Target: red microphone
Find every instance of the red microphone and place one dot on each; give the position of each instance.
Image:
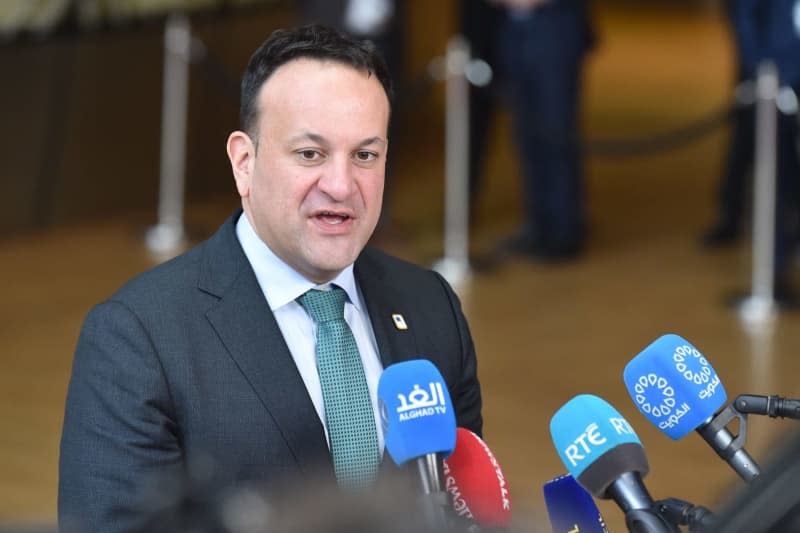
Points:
(476, 484)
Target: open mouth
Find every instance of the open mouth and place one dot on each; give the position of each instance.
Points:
(330, 217)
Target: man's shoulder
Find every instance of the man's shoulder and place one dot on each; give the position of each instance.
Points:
(209, 259)
(377, 262)
(164, 277)
(378, 270)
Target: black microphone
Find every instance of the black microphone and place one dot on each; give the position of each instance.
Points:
(604, 454)
(772, 406)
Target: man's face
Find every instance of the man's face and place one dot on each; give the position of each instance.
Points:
(312, 182)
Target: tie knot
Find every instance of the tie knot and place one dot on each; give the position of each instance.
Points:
(324, 306)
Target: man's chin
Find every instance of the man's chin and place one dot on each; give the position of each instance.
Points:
(331, 254)
(327, 266)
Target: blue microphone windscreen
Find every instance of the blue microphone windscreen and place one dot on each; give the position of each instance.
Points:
(586, 428)
(416, 411)
(571, 508)
(674, 386)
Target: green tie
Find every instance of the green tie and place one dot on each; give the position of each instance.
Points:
(348, 409)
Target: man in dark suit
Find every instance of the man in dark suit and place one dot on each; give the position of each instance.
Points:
(541, 48)
(765, 30)
(209, 359)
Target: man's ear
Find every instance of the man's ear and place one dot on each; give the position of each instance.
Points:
(242, 154)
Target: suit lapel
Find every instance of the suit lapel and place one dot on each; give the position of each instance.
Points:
(384, 300)
(247, 328)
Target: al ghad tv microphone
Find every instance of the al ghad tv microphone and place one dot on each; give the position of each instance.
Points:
(419, 425)
(677, 390)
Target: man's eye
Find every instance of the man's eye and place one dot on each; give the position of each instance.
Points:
(309, 155)
(365, 156)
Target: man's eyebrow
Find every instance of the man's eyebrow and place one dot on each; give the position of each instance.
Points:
(372, 140)
(319, 139)
(308, 136)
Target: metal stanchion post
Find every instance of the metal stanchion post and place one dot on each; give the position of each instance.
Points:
(455, 264)
(168, 235)
(760, 306)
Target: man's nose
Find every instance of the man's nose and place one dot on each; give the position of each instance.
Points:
(337, 179)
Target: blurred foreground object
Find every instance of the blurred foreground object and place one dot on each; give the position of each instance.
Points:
(771, 504)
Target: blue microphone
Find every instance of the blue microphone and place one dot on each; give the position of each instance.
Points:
(416, 411)
(603, 453)
(571, 508)
(419, 423)
(677, 390)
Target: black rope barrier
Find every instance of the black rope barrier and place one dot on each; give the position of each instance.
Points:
(660, 142)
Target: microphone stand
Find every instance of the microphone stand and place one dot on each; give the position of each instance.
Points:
(434, 500)
(730, 448)
(682, 513)
(632, 497)
(772, 406)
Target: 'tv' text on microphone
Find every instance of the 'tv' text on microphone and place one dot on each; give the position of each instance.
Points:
(675, 387)
(602, 451)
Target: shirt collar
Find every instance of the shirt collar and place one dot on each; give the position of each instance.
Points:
(280, 283)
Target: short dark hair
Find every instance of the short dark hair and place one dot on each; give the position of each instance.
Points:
(313, 41)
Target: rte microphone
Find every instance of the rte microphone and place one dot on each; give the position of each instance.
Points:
(476, 484)
(419, 424)
(675, 387)
(601, 450)
(571, 508)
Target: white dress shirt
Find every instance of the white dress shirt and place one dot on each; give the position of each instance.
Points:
(282, 285)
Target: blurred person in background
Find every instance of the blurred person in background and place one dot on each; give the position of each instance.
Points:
(480, 22)
(208, 364)
(727, 227)
(541, 49)
(765, 30)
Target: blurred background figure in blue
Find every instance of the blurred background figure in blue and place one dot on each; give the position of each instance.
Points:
(727, 228)
(540, 54)
(480, 22)
(764, 30)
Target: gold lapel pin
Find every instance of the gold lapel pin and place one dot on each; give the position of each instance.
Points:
(399, 321)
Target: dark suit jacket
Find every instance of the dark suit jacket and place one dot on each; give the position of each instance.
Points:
(186, 365)
(768, 29)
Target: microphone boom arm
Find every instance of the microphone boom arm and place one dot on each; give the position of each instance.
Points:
(730, 448)
(772, 406)
(682, 513)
